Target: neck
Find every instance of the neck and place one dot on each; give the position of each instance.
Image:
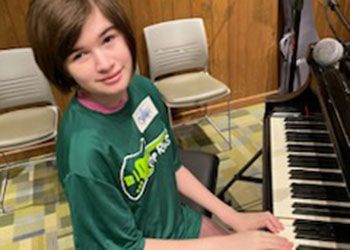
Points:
(105, 106)
(107, 101)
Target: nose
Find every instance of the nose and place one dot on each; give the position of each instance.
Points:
(103, 62)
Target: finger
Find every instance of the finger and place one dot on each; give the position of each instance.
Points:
(272, 241)
(283, 243)
(267, 221)
(271, 227)
(276, 222)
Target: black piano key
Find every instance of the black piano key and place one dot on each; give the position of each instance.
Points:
(313, 161)
(316, 176)
(323, 213)
(314, 118)
(310, 148)
(315, 126)
(321, 210)
(343, 209)
(304, 247)
(323, 231)
(307, 137)
(319, 192)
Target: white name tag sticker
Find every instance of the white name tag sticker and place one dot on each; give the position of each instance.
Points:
(144, 114)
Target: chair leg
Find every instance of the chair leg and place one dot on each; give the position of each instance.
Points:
(227, 140)
(4, 182)
(206, 116)
(229, 124)
(170, 117)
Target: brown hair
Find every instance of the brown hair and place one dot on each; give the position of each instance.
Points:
(54, 26)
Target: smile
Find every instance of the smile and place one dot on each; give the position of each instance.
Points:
(112, 79)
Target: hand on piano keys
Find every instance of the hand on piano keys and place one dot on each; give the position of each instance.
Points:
(256, 240)
(253, 221)
(248, 230)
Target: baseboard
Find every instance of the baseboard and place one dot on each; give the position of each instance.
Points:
(26, 153)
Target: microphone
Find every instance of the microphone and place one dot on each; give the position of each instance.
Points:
(328, 51)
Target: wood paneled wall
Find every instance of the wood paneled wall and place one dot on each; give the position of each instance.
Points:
(320, 19)
(242, 37)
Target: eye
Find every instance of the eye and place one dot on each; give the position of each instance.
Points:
(108, 39)
(77, 56)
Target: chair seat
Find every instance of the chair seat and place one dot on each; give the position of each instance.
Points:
(22, 128)
(191, 89)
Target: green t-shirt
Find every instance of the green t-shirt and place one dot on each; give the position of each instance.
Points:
(118, 173)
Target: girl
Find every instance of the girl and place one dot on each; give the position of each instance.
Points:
(116, 153)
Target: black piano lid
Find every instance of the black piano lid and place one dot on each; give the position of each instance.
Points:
(333, 91)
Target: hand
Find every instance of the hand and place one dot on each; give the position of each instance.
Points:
(258, 240)
(252, 221)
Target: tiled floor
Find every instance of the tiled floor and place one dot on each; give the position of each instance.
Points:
(37, 214)
(246, 129)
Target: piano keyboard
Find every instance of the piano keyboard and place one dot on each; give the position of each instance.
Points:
(316, 235)
(309, 193)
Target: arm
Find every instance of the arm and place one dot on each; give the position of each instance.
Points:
(190, 187)
(253, 240)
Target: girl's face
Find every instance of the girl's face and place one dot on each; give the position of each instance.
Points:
(101, 62)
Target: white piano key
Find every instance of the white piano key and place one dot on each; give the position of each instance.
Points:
(310, 154)
(306, 122)
(316, 170)
(309, 143)
(309, 131)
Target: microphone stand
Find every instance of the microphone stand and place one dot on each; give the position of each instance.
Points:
(334, 6)
(298, 6)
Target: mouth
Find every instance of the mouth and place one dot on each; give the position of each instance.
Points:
(112, 78)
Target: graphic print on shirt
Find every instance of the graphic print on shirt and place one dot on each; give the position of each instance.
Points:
(137, 168)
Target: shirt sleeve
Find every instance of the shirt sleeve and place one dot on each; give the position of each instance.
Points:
(176, 156)
(100, 216)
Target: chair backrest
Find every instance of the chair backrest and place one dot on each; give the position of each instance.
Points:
(21, 81)
(175, 46)
(204, 166)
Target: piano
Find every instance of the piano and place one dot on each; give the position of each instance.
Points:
(306, 160)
